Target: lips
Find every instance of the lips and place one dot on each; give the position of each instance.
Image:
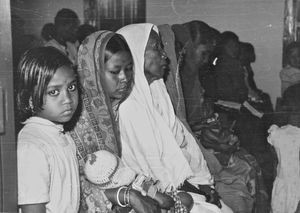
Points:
(123, 87)
(68, 112)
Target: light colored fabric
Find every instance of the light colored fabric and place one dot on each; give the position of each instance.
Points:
(148, 144)
(286, 194)
(95, 129)
(184, 138)
(69, 50)
(47, 167)
(289, 76)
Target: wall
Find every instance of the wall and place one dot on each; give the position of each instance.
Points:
(257, 21)
(38, 12)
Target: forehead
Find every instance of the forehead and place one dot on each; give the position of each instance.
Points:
(119, 57)
(63, 75)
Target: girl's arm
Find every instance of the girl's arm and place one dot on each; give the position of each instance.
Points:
(34, 208)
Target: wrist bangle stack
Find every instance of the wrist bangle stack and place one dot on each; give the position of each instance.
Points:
(126, 196)
(118, 193)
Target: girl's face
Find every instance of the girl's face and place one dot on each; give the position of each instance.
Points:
(294, 59)
(117, 74)
(61, 96)
(156, 62)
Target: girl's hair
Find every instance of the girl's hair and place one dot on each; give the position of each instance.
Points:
(115, 44)
(36, 68)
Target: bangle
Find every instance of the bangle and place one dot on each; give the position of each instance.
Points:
(118, 193)
(126, 197)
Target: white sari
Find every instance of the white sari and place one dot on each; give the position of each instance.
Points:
(153, 138)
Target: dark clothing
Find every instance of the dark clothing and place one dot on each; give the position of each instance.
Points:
(230, 80)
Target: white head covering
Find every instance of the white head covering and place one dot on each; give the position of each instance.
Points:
(149, 145)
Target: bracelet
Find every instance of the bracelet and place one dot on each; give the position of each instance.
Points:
(127, 197)
(118, 193)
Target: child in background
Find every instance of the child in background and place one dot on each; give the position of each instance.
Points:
(47, 98)
(48, 32)
(290, 74)
(286, 141)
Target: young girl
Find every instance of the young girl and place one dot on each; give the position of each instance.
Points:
(285, 139)
(47, 98)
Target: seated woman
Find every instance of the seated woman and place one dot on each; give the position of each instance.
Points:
(241, 166)
(148, 141)
(229, 72)
(261, 99)
(251, 130)
(105, 71)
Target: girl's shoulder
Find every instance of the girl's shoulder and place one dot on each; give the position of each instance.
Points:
(37, 133)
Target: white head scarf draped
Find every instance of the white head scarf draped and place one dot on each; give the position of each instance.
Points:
(149, 144)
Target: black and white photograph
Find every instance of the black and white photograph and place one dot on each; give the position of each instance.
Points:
(150, 106)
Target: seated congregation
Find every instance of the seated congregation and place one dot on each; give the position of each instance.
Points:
(135, 124)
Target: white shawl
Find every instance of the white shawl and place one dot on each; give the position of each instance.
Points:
(148, 143)
(184, 138)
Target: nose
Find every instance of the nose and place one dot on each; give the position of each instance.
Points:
(67, 97)
(122, 75)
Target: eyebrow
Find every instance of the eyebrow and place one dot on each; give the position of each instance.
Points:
(59, 85)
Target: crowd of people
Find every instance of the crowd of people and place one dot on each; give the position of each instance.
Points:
(127, 121)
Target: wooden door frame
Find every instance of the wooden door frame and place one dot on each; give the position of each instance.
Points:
(8, 156)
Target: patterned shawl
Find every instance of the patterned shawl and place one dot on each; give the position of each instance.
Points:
(95, 129)
(96, 106)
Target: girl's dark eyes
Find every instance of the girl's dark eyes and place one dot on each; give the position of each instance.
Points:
(73, 87)
(53, 92)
